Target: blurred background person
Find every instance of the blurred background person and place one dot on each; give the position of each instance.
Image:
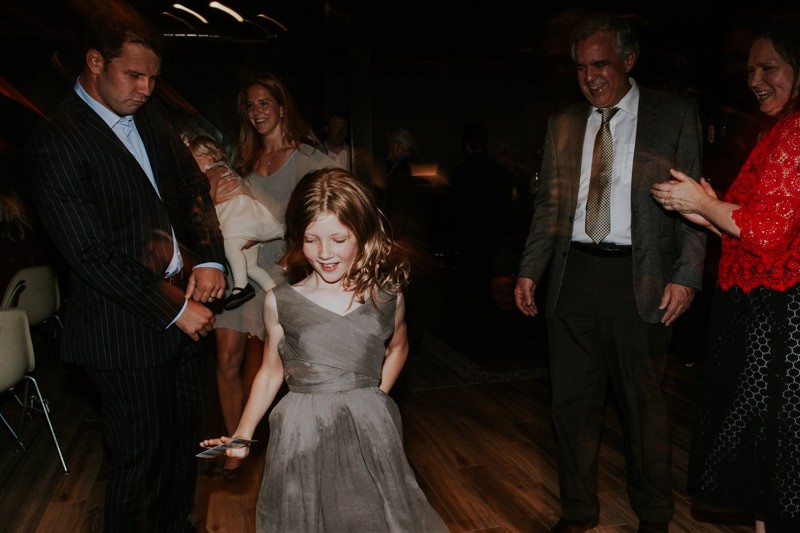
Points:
(336, 140)
(22, 241)
(404, 195)
(480, 197)
(405, 202)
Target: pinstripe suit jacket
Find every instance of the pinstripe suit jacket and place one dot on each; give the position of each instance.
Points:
(666, 249)
(115, 233)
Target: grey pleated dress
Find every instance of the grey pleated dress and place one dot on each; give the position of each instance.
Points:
(335, 460)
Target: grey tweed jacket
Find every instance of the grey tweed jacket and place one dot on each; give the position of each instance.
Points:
(666, 249)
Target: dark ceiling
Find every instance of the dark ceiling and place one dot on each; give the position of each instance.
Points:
(398, 36)
(411, 34)
(354, 42)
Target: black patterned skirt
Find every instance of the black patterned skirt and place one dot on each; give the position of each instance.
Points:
(746, 446)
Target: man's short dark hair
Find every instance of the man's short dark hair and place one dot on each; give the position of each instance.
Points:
(108, 32)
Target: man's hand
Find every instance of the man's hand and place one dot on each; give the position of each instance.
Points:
(523, 297)
(205, 284)
(197, 320)
(676, 300)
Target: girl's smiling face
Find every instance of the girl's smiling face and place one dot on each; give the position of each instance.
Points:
(330, 247)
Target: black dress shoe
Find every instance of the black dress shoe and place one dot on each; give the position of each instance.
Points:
(565, 525)
(653, 527)
(239, 296)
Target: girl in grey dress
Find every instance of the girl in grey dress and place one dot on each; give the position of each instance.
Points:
(335, 459)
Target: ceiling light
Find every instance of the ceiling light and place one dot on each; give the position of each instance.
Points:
(226, 9)
(195, 13)
(281, 26)
(179, 19)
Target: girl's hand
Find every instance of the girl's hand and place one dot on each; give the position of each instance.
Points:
(239, 451)
(210, 443)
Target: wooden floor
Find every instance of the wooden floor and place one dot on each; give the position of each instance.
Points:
(476, 429)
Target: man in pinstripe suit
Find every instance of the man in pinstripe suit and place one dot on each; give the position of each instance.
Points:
(131, 213)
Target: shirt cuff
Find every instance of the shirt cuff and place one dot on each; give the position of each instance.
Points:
(218, 266)
(185, 303)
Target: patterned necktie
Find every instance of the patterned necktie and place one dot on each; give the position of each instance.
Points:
(598, 204)
(127, 124)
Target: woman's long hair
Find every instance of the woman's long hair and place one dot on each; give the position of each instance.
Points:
(295, 129)
(379, 264)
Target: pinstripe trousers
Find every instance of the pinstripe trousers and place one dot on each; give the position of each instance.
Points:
(152, 419)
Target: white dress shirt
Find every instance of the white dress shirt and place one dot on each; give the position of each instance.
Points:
(623, 132)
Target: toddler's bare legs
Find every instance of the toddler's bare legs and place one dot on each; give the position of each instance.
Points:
(255, 272)
(236, 261)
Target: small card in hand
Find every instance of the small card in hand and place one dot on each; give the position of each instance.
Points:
(220, 450)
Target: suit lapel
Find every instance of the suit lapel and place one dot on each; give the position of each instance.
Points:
(646, 131)
(91, 125)
(153, 148)
(575, 135)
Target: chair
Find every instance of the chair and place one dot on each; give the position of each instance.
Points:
(34, 289)
(17, 361)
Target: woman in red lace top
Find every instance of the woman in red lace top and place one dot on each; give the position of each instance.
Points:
(746, 445)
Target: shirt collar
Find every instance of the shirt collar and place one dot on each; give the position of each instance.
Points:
(107, 116)
(630, 102)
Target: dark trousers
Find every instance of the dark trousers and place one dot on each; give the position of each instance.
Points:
(152, 418)
(597, 340)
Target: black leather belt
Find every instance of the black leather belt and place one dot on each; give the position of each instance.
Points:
(175, 279)
(602, 249)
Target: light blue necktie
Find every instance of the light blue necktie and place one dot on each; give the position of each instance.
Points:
(127, 125)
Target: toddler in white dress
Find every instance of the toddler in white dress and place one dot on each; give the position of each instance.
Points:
(244, 221)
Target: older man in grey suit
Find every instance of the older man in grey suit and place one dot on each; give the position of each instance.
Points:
(621, 270)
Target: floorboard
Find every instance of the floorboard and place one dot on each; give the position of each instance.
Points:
(477, 433)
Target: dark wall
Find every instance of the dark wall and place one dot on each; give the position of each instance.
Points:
(428, 66)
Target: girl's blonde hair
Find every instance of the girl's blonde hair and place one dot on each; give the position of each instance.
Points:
(379, 263)
(205, 145)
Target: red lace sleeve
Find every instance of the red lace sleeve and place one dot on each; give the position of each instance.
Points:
(768, 193)
(770, 219)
